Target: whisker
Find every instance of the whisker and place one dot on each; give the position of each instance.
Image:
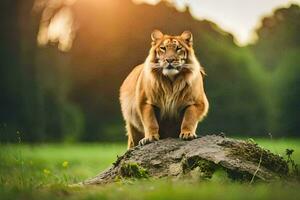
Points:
(187, 66)
(155, 65)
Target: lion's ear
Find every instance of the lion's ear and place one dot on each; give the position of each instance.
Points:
(156, 35)
(187, 36)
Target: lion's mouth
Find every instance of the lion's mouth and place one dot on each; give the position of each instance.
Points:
(170, 71)
(170, 67)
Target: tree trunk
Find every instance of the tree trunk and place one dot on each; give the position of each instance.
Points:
(241, 160)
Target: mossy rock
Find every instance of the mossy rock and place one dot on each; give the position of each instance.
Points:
(175, 158)
(133, 170)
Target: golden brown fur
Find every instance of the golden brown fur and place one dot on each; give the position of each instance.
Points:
(164, 96)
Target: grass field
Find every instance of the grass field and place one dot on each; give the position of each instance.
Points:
(44, 172)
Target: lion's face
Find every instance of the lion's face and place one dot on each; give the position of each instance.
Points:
(171, 56)
(171, 53)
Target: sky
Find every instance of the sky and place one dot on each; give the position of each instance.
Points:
(239, 17)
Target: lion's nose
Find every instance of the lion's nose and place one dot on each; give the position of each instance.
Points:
(170, 67)
(170, 60)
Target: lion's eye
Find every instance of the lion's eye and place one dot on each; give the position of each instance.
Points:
(178, 48)
(162, 48)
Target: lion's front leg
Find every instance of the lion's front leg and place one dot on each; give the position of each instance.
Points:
(150, 124)
(192, 115)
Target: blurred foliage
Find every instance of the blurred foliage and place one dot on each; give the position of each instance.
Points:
(278, 50)
(48, 95)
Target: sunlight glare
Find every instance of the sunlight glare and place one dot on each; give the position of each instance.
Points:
(240, 18)
(57, 27)
(61, 29)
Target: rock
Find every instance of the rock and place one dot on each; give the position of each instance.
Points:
(242, 160)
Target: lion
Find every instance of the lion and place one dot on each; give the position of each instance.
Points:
(164, 97)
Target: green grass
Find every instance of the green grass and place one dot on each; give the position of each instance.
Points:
(45, 171)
